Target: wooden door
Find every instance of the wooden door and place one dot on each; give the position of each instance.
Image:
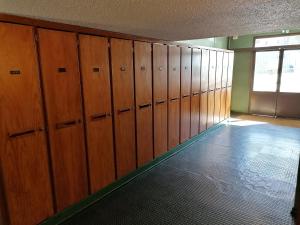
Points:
(212, 70)
(123, 97)
(219, 70)
(195, 114)
(24, 170)
(94, 59)
(143, 97)
(210, 108)
(61, 80)
(174, 72)
(225, 69)
(217, 106)
(230, 69)
(223, 104)
(228, 102)
(185, 118)
(160, 95)
(203, 112)
(204, 70)
(173, 122)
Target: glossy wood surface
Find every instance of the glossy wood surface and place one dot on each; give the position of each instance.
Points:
(230, 69)
(219, 69)
(195, 114)
(223, 104)
(204, 70)
(196, 70)
(212, 70)
(186, 71)
(210, 108)
(173, 123)
(203, 112)
(185, 118)
(174, 72)
(228, 102)
(225, 69)
(217, 106)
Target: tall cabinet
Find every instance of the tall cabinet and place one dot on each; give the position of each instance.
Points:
(204, 90)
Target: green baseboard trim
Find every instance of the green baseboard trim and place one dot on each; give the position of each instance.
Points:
(92, 199)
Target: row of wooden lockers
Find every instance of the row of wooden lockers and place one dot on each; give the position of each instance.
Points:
(79, 111)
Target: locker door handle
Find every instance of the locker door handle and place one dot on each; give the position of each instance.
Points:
(15, 72)
(124, 110)
(123, 68)
(66, 124)
(99, 116)
(202, 92)
(185, 67)
(160, 68)
(61, 69)
(195, 93)
(143, 68)
(21, 133)
(96, 69)
(185, 96)
(145, 105)
(174, 99)
(160, 102)
(174, 68)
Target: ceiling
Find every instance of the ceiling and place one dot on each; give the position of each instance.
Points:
(166, 19)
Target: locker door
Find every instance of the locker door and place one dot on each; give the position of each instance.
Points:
(61, 80)
(230, 69)
(219, 70)
(203, 112)
(143, 96)
(228, 102)
(94, 61)
(160, 95)
(173, 96)
(24, 171)
(217, 106)
(123, 96)
(185, 106)
(173, 122)
(174, 72)
(210, 108)
(195, 99)
(225, 70)
(223, 104)
(204, 70)
(212, 70)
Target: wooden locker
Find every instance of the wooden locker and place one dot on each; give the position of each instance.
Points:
(185, 118)
(219, 70)
(212, 70)
(94, 59)
(25, 191)
(123, 97)
(223, 104)
(174, 72)
(230, 69)
(210, 108)
(173, 96)
(61, 80)
(143, 97)
(204, 70)
(173, 122)
(160, 95)
(195, 114)
(195, 99)
(228, 102)
(225, 70)
(217, 106)
(203, 112)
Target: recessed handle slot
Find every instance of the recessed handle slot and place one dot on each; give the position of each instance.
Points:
(99, 116)
(15, 72)
(124, 110)
(67, 124)
(185, 96)
(174, 99)
(160, 102)
(21, 133)
(145, 105)
(62, 70)
(185, 67)
(123, 68)
(96, 69)
(143, 68)
(195, 93)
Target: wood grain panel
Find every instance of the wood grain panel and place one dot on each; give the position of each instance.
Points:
(185, 118)
(212, 70)
(94, 61)
(228, 102)
(24, 173)
(210, 108)
(173, 122)
(143, 97)
(217, 106)
(186, 71)
(123, 96)
(223, 104)
(219, 69)
(160, 95)
(61, 80)
(196, 70)
(230, 69)
(203, 112)
(225, 69)
(204, 70)
(195, 114)
(174, 72)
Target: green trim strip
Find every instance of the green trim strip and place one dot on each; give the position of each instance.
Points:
(92, 199)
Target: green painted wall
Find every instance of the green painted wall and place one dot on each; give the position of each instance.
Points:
(242, 70)
(215, 42)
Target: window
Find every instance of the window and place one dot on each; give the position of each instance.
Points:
(277, 41)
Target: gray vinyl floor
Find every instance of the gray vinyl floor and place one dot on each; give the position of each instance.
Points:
(242, 173)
